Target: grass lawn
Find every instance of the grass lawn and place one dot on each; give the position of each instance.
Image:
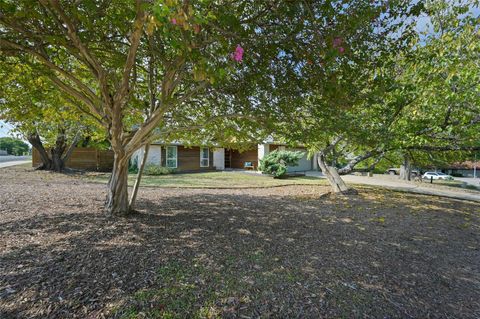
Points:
(214, 180)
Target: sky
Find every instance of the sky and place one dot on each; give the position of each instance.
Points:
(4, 129)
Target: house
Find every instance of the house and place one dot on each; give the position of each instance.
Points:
(463, 169)
(198, 158)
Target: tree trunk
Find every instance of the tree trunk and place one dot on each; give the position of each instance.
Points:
(337, 183)
(57, 161)
(117, 198)
(47, 163)
(406, 169)
(133, 197)
(72, 147)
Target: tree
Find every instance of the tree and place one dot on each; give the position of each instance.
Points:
(361, 108)
(329, 83)
(41, 114)
(438, 88)
(98, 53)
(13, 146)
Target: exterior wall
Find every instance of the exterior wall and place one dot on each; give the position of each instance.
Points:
(87, 158)
(304, 164)
(239, 158)
(463, 172)
(263, 150)
(219, 158)
(273, 147)
(154, 156)
(189, 159)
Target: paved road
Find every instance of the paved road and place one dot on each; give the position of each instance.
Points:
(391, 182)
(11, 158)
(17, 161)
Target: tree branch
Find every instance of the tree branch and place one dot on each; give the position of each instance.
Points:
(123, 89)
(72, 34)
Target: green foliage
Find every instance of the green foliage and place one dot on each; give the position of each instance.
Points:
(13, 146)
(32, 104)
(276, 163)
(153, 169)
(133, 165)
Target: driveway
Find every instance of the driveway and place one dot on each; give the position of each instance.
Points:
(469, 180)
(392, 182)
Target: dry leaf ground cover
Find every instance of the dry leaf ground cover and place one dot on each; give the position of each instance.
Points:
(283, 252)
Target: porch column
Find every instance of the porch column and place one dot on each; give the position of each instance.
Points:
(219, 158)
(263, 150)
(315, 162)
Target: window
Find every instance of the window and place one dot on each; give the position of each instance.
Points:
(171, 156)
(204, 157)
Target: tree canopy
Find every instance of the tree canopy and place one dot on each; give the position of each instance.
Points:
(348, 79)
(14, 146)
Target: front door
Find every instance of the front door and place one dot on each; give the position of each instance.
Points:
(228, 158)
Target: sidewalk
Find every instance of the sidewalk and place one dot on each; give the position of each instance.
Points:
(392, 183)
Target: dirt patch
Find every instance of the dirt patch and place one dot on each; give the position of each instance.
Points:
(278, 252)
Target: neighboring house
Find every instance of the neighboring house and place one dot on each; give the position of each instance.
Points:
(197, 158)
(464, 169)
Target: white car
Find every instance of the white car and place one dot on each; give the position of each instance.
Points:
(436, 175)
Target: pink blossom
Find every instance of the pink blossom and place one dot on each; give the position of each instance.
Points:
(341, 49)
(337, 42)
(238, 54)
(174, 21)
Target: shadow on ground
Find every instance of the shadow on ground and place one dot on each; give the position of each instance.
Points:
(213, 253)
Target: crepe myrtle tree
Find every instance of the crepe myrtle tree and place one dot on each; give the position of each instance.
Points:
(99, 53)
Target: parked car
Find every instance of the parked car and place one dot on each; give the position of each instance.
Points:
(436, 175)
(396, 171)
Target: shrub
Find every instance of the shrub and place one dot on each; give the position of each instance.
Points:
(154, 169)
(132, 166)
(276, 162)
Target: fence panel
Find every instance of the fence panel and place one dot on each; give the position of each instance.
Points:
(86, 158)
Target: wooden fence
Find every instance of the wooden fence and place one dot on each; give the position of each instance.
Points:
(87, 158)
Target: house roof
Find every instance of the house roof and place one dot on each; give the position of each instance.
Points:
(464, 165)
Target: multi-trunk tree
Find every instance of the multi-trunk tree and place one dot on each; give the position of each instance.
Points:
(120, 58)
(41, 114)
(375, 92)
(330, 81)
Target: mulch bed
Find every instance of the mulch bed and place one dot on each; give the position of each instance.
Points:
(285, 252)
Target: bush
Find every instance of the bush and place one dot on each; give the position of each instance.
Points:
(132, 166)
(276, 162)
(154, 169)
